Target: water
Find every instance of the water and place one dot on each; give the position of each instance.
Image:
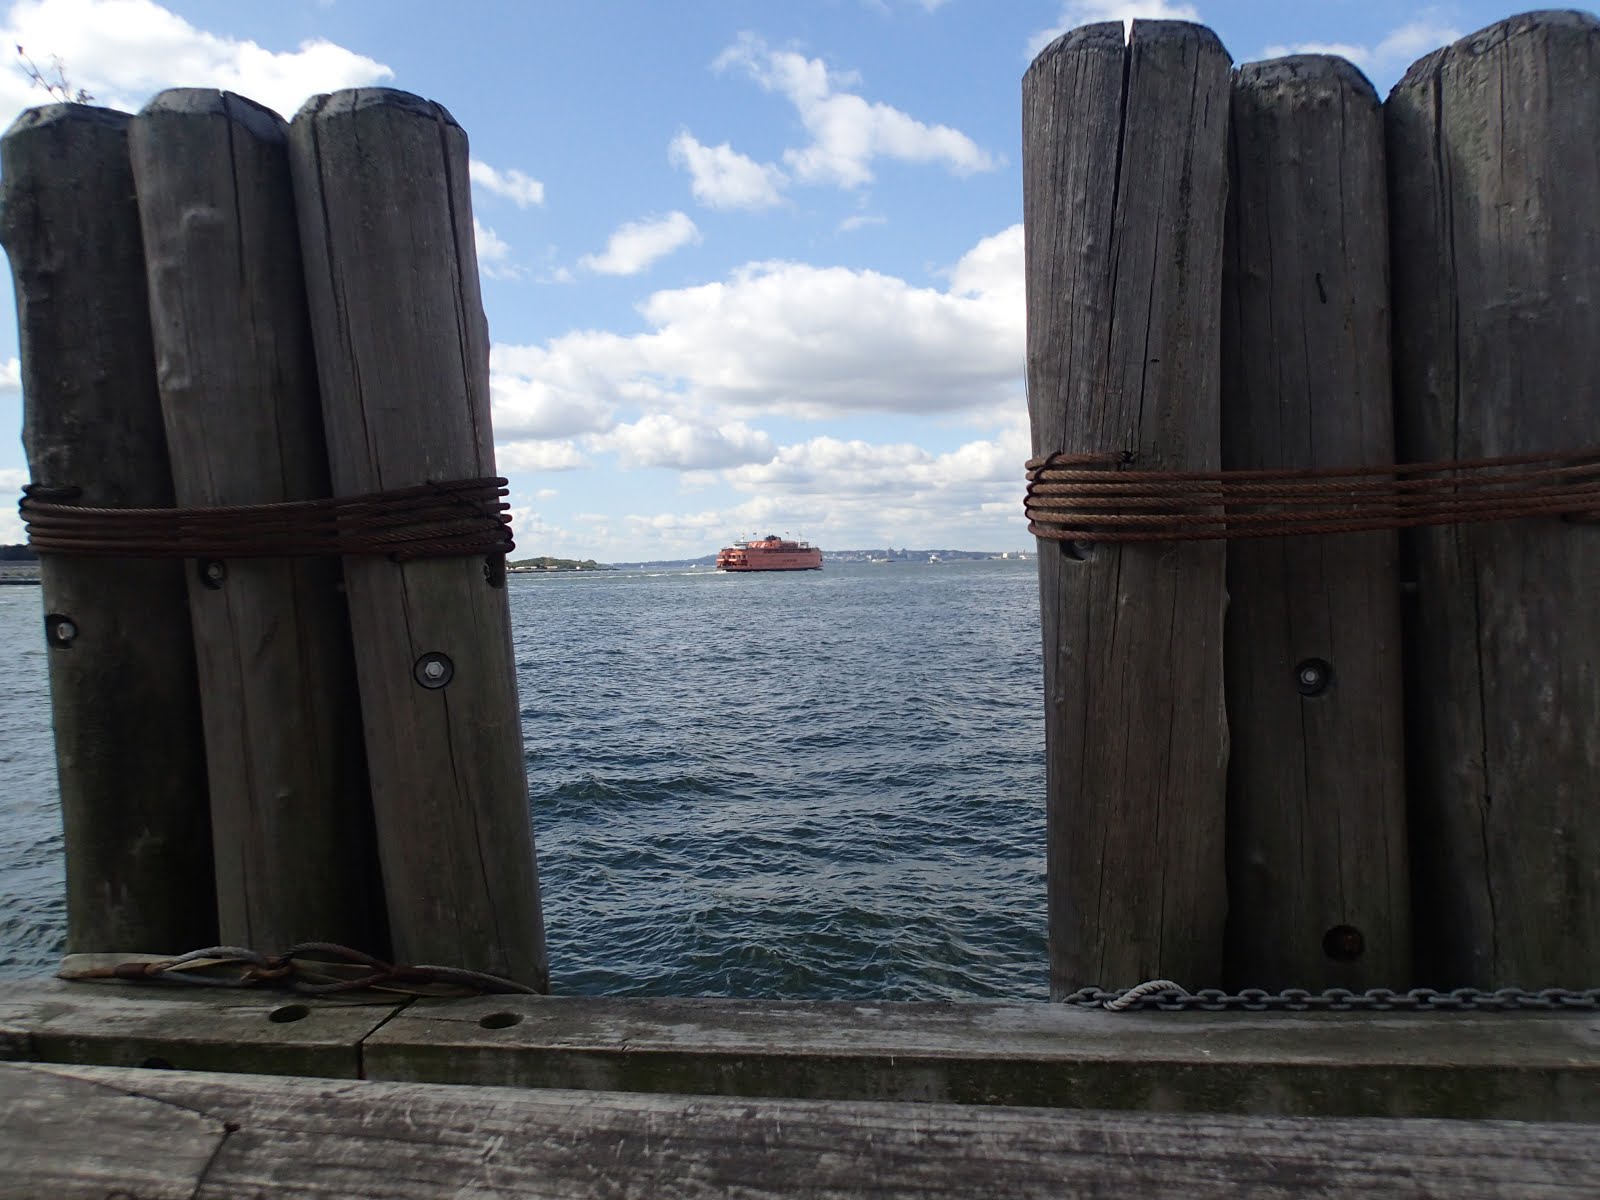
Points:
(820, 784)
(33, 910)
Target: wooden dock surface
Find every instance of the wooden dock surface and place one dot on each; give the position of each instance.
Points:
(98, 1131)
(1521, 1066)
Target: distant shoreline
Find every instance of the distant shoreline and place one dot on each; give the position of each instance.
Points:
(844, 556)
(18, 571)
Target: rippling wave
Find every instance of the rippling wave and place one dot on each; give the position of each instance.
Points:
(820, 784)
(33, 906)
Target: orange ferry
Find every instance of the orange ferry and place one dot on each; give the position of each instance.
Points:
(770, 553)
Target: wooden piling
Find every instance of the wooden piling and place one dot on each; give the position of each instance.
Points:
(1318, 882)
(1125, 180)
(123, 697)
(1496, 261)
(290, 814)
(403, 356)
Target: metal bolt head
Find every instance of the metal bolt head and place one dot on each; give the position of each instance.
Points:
(60, 631)
(1344, 943)
(1313, 676)
(213, 572)
(433, 670)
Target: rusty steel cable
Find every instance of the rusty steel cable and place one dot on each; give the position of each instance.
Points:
(432, 520)
(1096, 498)
(310, 968)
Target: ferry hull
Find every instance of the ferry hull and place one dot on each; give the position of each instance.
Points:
(766, 566)
(769, 554)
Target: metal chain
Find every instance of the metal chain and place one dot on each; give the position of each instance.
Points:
(1162, 995)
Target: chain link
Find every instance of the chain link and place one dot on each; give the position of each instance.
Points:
(1164, 996)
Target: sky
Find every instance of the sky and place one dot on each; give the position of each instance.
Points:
(748, 266)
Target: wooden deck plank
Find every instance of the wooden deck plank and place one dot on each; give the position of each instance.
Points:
(125, 1025)
(1524, 1066)
(301, 1137)
(66, 1137)
(1527, 1066)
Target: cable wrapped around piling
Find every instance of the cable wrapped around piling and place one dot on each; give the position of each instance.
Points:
(432, 520)
(1095, 498)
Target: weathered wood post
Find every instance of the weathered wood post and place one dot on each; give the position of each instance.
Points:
(385, 219)
(1125, 182)
(291, 817)
(1494, 180)
(1318, 882)
(122, 676)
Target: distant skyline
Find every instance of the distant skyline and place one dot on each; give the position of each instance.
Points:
(748, 267)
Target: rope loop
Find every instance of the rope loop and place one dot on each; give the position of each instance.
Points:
(311, 968)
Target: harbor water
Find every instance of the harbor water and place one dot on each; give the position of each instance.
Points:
(797, 785)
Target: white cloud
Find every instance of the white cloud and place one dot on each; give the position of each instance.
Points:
(494, 253)
(536, 536)
(556, 393)
(814, 342)
(798, 341)
(1400, 48)
(992, 270)
(12, 480)
(861, 221)
(830, 467)
(721, 177)
(634, 246)
(1348, 50)
(847, 132)
(546, 494)
(664, 440)
(551, 455)
(784, 338)
(851, 494)
(123, 51)
(522, 190)
(1087, 12)
(1414, 39)
(843, 494)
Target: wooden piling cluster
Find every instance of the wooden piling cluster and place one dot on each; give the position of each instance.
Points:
(1409, 796)
(1341, 760)
(219, 308)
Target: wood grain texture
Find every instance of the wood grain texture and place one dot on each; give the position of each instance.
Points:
(1496, 235)
(1465, 1065)
(68, 1137)
(291, 1137)
(385, 220)
(193, 1029)
(1316, 782)
(1125, 181)
(1523, 1066)
(291, 819)
(123, 698)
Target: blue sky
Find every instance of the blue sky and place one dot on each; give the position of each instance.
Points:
(748, 266)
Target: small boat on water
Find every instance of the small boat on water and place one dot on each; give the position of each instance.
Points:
(770, 553)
